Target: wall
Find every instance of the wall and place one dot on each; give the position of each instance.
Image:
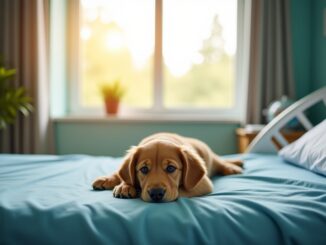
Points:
(113, 138)
(318, 45)
(301, 12)
(309, 45)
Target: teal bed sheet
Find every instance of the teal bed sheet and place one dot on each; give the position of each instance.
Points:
(49, 200)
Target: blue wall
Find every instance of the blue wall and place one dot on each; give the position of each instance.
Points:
(309, 45)
(113, 138)
(301, 23)
(318, 45)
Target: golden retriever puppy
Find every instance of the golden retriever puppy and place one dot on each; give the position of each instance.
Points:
(166, 166)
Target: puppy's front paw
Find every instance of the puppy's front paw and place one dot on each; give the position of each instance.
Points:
(105, 183)
(237, 162)
(124, 191)
(230, 168)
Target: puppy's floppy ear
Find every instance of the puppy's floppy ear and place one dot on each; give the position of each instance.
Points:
(193, 167)
(127, 169)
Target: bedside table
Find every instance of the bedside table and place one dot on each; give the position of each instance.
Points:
(245, 136)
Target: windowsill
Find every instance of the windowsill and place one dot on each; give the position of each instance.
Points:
(144, 118)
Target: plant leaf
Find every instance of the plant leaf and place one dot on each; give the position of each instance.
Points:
(12, 100)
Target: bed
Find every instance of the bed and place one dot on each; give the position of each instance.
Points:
(47, 199)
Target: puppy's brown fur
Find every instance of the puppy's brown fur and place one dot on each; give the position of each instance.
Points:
(191, 160)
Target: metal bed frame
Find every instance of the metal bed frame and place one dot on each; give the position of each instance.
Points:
(263, 142)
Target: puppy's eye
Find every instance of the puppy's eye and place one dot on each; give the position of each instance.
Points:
(144, 170)
(170, 169)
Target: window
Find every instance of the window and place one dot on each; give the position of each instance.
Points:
(172, 56)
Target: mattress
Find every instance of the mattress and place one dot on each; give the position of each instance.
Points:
(48, 199)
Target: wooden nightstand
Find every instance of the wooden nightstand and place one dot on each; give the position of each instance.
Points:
(244, 137)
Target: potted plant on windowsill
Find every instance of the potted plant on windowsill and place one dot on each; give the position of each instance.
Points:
(112, 94)
(12, 99)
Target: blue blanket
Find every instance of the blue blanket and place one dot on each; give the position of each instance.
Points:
(49, 200)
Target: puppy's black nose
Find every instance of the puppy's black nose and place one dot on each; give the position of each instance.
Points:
(156, 194)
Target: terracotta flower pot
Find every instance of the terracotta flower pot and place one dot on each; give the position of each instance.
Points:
(111, 106)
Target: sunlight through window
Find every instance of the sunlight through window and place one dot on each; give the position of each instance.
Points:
(199, 52)
(117, 42)
(199, 48)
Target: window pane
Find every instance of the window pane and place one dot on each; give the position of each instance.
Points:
(117, 42)
(199, 48)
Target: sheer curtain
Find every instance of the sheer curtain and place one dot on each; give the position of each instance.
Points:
(24, 46)
(270, 72)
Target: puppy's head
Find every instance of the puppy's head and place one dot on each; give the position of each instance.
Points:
(159, 168)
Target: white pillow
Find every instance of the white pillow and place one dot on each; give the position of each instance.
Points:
(309, 151)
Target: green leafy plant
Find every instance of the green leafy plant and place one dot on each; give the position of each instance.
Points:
(113, 91)
(12, 100)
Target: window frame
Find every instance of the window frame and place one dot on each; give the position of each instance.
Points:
(236, 113)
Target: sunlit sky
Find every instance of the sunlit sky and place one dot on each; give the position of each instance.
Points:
(186, 23)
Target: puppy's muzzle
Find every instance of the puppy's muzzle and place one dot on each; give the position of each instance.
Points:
(156, 194)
